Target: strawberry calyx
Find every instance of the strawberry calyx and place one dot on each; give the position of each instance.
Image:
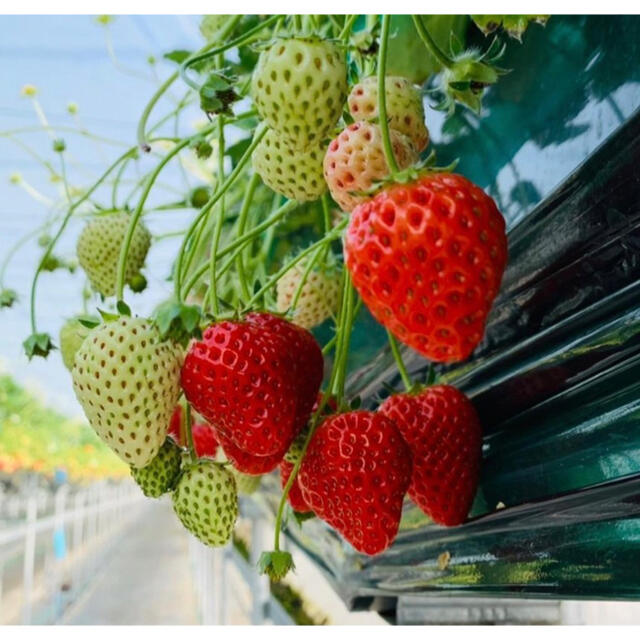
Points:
(275, 564)
(8, 297)
(179, 322)
(409, 175)
(38, 344)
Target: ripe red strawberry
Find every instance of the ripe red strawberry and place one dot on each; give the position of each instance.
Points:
(354, 476)
(204, 438)
(296, 500)
(308, 362)
(443, 431)
(247, 463)
(427, 258)
(239, 379)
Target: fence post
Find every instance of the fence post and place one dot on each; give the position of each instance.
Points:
(29, 557)
(59, 547)
(260, 589)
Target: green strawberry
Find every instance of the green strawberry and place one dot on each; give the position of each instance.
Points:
(246, 484)
(161, 474)
(206, 502)
(128, 383)
(405, 111)
(299, 88)
(296, 174)
(98, 250)
(72, 335)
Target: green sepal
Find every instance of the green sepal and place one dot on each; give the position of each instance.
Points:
(201, 147)
(179, 322)
(514, 25)
(300, 517)
(410, 174)
(90, 322)
(107, 316)
(123, 308)
(38, 344)
(275, 564)
(217, 94)
(7, 297)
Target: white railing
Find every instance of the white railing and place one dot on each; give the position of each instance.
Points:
(229, 588)
(51, 545)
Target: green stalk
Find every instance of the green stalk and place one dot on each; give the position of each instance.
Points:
(242, 223)
(303, 254)
(382, 96)
(213, 296)
(241, 242)
(192, 448)
(207, 52)
(142, 123)
(348, 26)
(430, 43)
(343, 352)
(402, 369)
(54, 240)
(258, 135)
(341, 331)
(124, 249)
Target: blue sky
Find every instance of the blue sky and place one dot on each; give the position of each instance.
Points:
(66, 58)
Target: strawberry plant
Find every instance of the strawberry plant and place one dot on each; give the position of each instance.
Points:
(317, 198)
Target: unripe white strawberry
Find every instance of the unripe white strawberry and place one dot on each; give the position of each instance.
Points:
(206, 502)
(295, 174)
(355, 160)
(319, 297)
(128, 382)
(72, 335)
(98, 250)
(405, 111)
(245, 483)
(299, 88)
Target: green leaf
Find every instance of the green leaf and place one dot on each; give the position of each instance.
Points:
(178, 56)
(237, 150)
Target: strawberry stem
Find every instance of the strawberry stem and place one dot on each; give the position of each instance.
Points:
(344, 336)
(430, 43)
(242, 224)
(213, 293)
(220, 191)
(303, 254)
(402, 369)
(124, 249)
(65, 220)
(382, 96)
(240, 243)
(348, 26)
(189, 430)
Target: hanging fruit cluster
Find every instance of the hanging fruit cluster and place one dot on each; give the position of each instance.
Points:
(226, 382)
